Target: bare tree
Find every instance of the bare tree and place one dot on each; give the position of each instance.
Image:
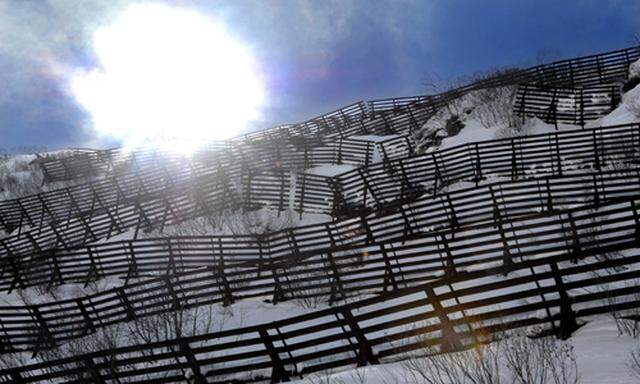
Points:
(540, 361)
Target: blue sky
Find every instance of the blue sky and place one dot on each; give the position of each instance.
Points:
(317, 55)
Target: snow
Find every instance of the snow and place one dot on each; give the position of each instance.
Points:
(620, 115)
(624, 113)
(474, 131)
(330, 170)
(602, 353)
(472, 110)
(374, 138)
(35, 295)
(602, 357)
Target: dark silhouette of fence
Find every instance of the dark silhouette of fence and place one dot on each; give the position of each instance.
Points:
(455, 210)
(354, 119)
(599, 69)
(379, 186)
(566, 105)
(448, 313)
(441, 240)
(337, 259)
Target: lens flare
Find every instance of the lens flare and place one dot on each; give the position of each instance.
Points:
(168, 73)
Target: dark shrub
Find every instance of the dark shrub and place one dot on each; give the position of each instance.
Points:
(631, 83)
(453, 125)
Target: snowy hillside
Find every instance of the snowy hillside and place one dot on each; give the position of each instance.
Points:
(485, 235)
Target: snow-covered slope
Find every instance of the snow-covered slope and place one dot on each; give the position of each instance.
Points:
(479, 115)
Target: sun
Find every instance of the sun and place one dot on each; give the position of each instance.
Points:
(166, 74)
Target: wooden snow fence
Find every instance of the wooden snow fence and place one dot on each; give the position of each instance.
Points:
(455, 211)
(381, 116)
(587, 71)
(575, 106)
(381, 186)
(447, 314)
(332, 261)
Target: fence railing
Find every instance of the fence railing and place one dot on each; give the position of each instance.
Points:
(17, 212)
(583, 71)
(372, 265)
(453, 210)
(59, 205)
(452, 234)
(566, 105)
(378, 186)
(599, 69)
(292, 155)
(448, 313)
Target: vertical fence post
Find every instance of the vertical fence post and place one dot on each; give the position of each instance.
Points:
(336, 286)
(614, 97)
(364, 225)
(450, 339)
(582, 119)
(175, 301)
(557, 153)
(88, 323)
(278, 372)
(132, 265)
(278, 293)
(387, 126)
(126, 304)
(548, 205)
(596, 192)
(437, 174)
(45, 338)
(227, 293)
(407, 190)
(478, 165)
(293, 243)
(575, 249)
(568, 323)
(389, 276)
(93, 272)
(302, 191)
(451, 214)
(365, 353)
(523, 103)
(89, 365)
(507, 258)
(555, 108)
(514, 162)
(636, 219)
(596, 153)
(599, 68)
(366, 188)
(413, 126)
(186, 351)
(449, 265)
(407, 227)
(338, 200)
(15, 269)
(15, 376)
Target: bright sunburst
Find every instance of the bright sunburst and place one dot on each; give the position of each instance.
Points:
(169, 73)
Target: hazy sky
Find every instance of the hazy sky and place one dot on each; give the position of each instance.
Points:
(315, 55)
